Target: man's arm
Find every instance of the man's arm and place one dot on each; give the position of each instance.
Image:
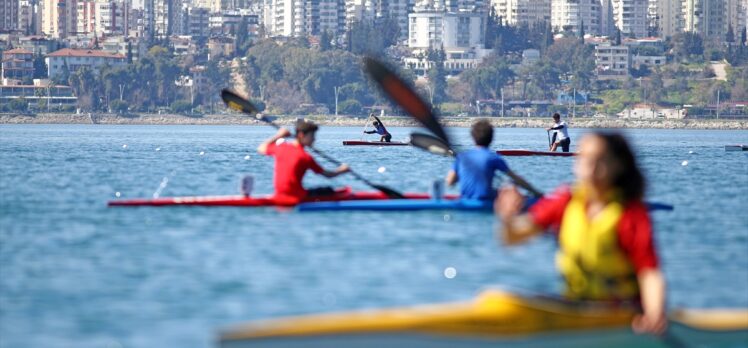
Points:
(335, 172)
(282, 133)
(451, 178)
(370, 132)
(521, 182)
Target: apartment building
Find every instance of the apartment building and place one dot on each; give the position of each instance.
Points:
(17, 64)
(59, 18)
(76, 59)
(29, 17)
(8, 15)
(612, 61)
(573, 14)
(516, 12)
(630, 17)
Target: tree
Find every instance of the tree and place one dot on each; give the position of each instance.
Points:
(119, 106)
(40, 66)
(181, 106)
(350, 107)
(730, 35)
(242, 37)
(18, 104)
(437, 76)
(129, 52)
(618, 37)
(325, 41)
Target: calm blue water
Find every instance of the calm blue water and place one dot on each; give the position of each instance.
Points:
(74, 273)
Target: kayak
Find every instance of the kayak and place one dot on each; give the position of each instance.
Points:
(534, 153)
(343, 194)
(400, 205)
(374, 143)
(450, 203)
(736, 147)
(495, 318)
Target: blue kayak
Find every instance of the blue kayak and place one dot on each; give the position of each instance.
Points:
(423, 204)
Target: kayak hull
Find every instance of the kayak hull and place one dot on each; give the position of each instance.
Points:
(736, 147)
(256, 201)
(534, 153)
(399, 205)
(373, 143)
(494, 318)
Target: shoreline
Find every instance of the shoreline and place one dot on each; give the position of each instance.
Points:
(393, 121)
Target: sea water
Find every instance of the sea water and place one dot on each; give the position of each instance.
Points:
(75, 273)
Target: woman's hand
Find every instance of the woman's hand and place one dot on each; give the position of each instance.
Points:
(655, 324)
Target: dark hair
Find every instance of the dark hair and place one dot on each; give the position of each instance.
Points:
(482, 132)
(376, 123)
(305, 127)
(557, 116)
(628, 178)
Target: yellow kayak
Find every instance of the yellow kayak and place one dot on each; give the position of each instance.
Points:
(494, 319)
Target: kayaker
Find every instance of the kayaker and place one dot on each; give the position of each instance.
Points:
(606, 248)
(560, 134)
(292, 162)
(379, 129)
(475, 168)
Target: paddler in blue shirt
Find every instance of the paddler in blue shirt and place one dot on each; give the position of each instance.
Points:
(379, 129)
(475, 168)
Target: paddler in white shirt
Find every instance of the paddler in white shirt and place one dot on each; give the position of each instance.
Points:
(560, 134)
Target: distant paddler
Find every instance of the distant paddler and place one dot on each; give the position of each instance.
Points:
(606, 248)
(560, 134)
(380, 129)
(292, 162)
(475, 168)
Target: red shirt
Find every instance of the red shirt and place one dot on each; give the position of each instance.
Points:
(634, 228)
(291, 163)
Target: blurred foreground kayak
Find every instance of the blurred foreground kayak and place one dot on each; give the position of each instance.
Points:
(494, 319)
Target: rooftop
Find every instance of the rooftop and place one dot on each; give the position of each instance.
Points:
(69, 52)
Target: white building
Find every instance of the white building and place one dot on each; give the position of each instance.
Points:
(630, 17)
(572, 14)
(29, 17)
(707, 17)
(304, 17)
(75, 59)
(102, 17)
(668, 17)
(58, 18)
(515, 12)
(435, 29)
(612, 61)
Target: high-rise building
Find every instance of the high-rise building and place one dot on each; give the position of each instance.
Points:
(162, 17)
(515, 12)
(8, 15)
(630, 17)
(29, 17)
(573, 14)
(706, 17)
(666, 16)
(103, 17)
(737, 16)
(304, 17)
(59, 18)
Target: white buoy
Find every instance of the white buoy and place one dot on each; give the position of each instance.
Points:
(247, 157)
(117, 194)
(684, 163)
(450, 272)
(382, 169)
(202, 153)
(124, 146)
(690, 152)
(158, 149)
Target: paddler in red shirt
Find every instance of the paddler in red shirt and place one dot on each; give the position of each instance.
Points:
(292, 162)
(606, 248)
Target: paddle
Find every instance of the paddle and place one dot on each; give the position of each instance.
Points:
(548, 133)
(404, 96)
(238, 103)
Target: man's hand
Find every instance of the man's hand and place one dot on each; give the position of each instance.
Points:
(283, 133)
(344, 168)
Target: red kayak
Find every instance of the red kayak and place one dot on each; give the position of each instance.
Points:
(534, 153)
(343, 194)
(374, 143)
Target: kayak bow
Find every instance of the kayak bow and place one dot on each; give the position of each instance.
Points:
(494, 318)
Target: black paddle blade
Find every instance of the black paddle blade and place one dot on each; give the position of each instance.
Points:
(431, 144)
(388, 191)
(404, 96)
(237, 102)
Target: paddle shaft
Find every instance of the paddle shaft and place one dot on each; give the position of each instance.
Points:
(548, 133)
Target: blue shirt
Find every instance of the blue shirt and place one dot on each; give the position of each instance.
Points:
(475, 170)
